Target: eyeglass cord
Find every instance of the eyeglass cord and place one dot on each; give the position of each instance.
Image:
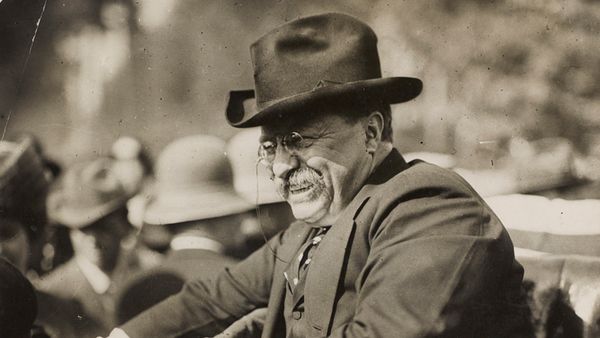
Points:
(262, 229)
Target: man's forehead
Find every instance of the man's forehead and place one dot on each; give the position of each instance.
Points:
(271, 130)
(274, 129)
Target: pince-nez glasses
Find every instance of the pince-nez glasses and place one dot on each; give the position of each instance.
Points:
(292, 143)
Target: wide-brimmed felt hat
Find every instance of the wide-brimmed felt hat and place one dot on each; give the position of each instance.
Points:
(87, 192)
(251, 180)
(316, 62)
(194, 181)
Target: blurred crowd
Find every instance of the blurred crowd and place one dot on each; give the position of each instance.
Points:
(86, 246)
(89, 246)
(103, 239)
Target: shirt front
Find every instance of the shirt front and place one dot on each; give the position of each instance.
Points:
(295, 277)
(99, 281)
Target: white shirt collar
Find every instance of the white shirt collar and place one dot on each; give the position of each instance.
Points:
(189, 241)
(99, 281)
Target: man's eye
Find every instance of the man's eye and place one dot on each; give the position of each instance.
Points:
(295, 140)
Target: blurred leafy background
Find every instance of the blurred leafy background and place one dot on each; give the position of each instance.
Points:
(158, 70)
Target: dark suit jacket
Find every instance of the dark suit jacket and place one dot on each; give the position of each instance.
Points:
(69, 307)
(196, 263)
(417, 253)
(146, 288)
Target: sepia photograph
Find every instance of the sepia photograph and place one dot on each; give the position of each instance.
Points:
(299, 168)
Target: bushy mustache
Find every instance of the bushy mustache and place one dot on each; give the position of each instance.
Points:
(304, 176)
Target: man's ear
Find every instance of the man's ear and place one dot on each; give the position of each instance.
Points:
(373, 131)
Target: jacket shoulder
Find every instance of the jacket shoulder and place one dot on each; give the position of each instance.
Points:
(62, 280)
(425, 199)
(421, 176)
(196, 263)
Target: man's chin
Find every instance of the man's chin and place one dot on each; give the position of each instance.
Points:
(309, 212)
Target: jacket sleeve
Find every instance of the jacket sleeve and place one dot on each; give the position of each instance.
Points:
(209, 305)
(433, 259)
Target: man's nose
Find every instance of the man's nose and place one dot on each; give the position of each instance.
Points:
(283, 163)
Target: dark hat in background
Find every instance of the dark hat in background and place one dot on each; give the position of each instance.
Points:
(18, 304)
(194, 181)
(316, 61)
(24, 183)
(87, 192)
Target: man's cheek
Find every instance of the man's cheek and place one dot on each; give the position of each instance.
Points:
(332, 172)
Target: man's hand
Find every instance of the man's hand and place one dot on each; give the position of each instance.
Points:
(249, 326)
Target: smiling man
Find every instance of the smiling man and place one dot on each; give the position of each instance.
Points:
(322, 163)
(382, 247)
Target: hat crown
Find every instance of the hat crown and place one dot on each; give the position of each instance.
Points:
(194, 181)
(312, 64)
(194, 162)
(311, 52)
(87, 186)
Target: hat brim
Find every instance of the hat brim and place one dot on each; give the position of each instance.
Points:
(75, 218)
(179, 207)
(371, 92)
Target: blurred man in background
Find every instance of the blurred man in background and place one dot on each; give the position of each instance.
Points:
(194, 201)
(24, 183)
(77, 298)
(25, 177)
(195, 205)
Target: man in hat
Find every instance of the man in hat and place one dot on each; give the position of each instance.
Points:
(194, 201)
(382, 247)
(77, 298)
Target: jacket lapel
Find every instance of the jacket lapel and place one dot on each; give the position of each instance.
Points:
(323, 278)
(325, 274)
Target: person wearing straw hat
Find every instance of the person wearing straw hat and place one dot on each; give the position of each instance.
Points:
(382, 247)
(77, 298)
(253, 182)
(194, 201)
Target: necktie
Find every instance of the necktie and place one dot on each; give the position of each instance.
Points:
(303, 260)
